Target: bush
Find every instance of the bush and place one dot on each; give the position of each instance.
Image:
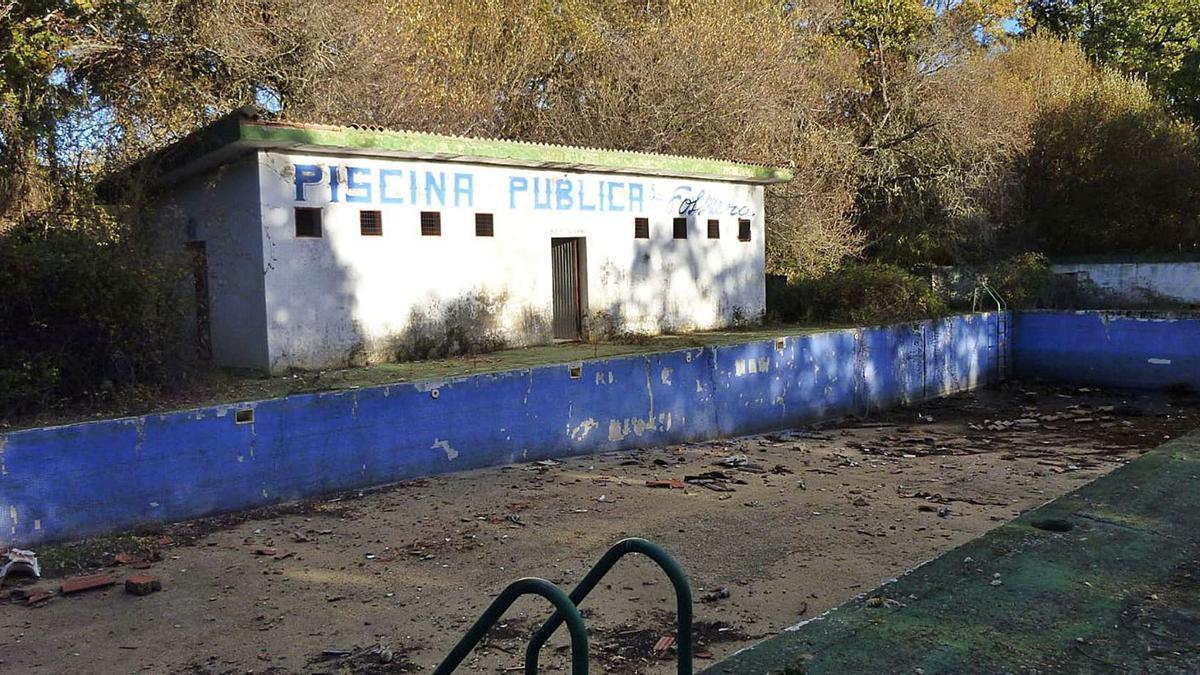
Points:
(857, 293)
(1022, 280)
(85, 316)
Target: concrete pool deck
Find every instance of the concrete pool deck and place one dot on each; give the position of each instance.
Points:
(1103, 579)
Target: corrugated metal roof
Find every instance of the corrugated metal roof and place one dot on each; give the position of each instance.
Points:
(248, 128)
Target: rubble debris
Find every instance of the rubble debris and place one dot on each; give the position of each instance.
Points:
(87, 583)
(664, 644)
(20, 562)
(142, 584)
(719, 594)
(672, 484)
(30, 598)
(877, 601)
(379, 653)
(38, 598)
(733, 461)
(717, 481)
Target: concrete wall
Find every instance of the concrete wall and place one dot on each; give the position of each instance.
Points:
(82, 479)
(1138, 350)
(221, 209)
(1134, 284)
(346, 297)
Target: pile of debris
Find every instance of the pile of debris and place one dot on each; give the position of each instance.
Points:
(22, 567)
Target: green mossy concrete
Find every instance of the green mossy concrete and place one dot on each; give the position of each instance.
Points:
(1117, 592)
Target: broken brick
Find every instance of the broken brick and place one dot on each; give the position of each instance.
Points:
(674, 483)
(38, 597)
(87, 583)
(142, 584)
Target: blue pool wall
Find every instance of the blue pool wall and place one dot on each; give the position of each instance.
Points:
(85, 479)
(1127, 350)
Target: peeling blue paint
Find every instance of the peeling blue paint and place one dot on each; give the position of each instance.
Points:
(1131, 350)
(85, 479)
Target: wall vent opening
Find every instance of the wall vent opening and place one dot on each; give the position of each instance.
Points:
(370, 223)
(743, 230)
(308, 222)
(431, 224)
(575, 370)
(485, 225)
(244, 416)
(641, 228)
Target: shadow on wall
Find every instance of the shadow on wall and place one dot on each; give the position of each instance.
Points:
(468, 324)
(318, 327)
(1077, 290)
(315, 323)
(657, 267)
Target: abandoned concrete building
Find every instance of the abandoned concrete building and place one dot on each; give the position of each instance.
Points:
(319, 246)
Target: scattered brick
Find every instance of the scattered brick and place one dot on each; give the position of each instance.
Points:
(124, 559)
(674, 483)
(142, 584)
(87, 583)
(36, 598)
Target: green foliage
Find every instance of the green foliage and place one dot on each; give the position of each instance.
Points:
(1022, 279)
(85, 315)
(875, 26)
(857, 293)
(1155, 39)
(1110, 170)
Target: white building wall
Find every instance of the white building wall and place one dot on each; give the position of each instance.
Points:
(221, 209)
(346, 297)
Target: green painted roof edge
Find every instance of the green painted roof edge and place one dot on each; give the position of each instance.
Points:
(466, 149)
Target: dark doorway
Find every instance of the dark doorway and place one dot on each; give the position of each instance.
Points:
(568, 287)
(199, 254)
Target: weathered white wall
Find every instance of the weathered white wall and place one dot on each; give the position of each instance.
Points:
(345, 297)
(1141, 283)
(221, 208)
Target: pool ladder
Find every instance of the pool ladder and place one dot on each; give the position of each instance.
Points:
(566, 610)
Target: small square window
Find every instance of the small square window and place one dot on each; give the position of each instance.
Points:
(431, 224)
(743, 229)
(680, 227)
(641, 228)
(714, 229)
(370, 223)
(308, 222)
(485, 225)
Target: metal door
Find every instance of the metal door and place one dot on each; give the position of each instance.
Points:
(199, 253)
(567, 281)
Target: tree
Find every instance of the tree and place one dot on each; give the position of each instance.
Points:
(1155, 39)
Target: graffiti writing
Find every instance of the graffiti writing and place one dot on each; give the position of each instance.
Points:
(701, 203)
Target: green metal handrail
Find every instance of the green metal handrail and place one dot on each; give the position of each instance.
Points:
(564, 607)
(1001, 306)
(683, 601)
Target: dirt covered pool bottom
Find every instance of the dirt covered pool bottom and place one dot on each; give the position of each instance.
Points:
(771, 529)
